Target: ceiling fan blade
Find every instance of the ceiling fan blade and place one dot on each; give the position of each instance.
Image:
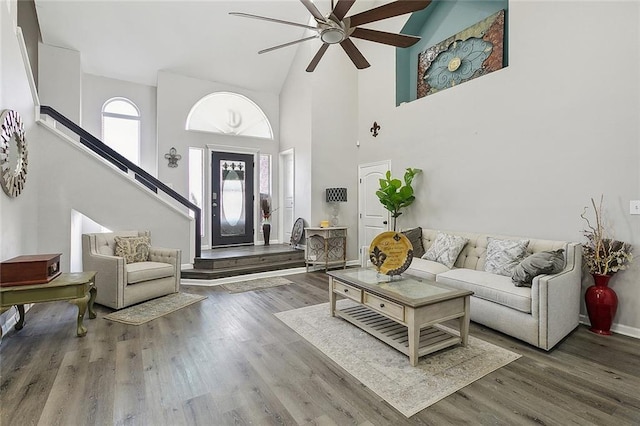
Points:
(398, 40)
(279, 21)
(354, 54)
(389, 10)
(342, 8)
(313, 10)
(314, 62)
(287, 44)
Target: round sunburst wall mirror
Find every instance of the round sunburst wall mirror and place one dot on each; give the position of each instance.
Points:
(13, 153)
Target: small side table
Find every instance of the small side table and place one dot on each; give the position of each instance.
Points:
(326, 246)
(77, 287)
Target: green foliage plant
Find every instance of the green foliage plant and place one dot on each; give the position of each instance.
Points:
(394, 195)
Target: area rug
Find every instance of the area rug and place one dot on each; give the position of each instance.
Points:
(386, 371)
(257, 284)
(147, 311)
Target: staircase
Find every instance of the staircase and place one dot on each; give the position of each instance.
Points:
(227, 262)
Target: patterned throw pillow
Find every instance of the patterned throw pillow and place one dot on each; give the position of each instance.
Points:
(504, 255)
(133, 249)
(544, 262)
(415, 237)
(445, 249)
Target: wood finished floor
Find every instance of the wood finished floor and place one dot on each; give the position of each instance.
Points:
(228, 361)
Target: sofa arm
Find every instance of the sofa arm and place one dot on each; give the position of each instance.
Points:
(110, 277)
(166, 255)
(559, 299)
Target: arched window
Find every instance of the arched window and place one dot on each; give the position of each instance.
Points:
(121, 127)
(230, 114)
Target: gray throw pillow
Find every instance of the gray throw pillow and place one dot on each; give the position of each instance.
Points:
(415, 237)
(504, 255)
(445, 249)
(544, 262)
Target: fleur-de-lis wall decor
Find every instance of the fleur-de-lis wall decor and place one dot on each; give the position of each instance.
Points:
(173, 157)
(374, 129)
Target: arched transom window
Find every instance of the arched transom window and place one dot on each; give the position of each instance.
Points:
(230, 114)
(121, 127)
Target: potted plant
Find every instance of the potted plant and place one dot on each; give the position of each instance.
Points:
(395, 196)
(603, 256)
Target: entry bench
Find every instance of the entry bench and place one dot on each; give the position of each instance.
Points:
(541, 315)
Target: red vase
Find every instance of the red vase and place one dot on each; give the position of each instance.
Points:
(602, 303)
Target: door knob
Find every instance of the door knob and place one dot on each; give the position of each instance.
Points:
(385, 222)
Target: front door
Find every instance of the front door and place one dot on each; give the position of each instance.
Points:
(231, 199)
(374, 218)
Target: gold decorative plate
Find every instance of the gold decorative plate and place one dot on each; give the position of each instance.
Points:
(391, 253)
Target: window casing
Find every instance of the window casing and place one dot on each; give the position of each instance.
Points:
(121, 127)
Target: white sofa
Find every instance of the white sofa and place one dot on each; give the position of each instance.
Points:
(540, 315)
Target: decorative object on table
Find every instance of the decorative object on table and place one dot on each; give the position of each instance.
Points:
(394, 196)
(374, 129)
(13, 165)
(335, 28)
(391, 253)
(144, 312)
(30, 269)
(333, 197)
(604, 256)
(324, 224)
(473, 52)
(265, 208)
(173, 157)
(373, 362)
(297, 232)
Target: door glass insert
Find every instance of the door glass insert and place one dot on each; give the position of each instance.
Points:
(232, 199)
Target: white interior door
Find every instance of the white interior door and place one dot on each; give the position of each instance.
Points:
(287, 191)
(373, 218)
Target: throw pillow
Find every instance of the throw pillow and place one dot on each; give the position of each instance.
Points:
(133, 249)
(445, 249)
(544, 262)
(504, 255)
(415, 237)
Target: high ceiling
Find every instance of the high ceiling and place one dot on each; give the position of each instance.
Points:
(133, 40)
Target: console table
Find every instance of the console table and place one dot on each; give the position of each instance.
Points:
(326, 246)
(78, 288)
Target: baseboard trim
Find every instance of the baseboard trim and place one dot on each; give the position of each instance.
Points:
(616, 328)
(236, 278)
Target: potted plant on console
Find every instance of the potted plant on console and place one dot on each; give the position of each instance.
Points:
(604, 256)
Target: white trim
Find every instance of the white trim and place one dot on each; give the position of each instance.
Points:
(237, 278)
(616, 328)
(281, 155)
(27, 66)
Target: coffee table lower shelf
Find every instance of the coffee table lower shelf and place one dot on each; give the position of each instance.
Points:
(432, 338)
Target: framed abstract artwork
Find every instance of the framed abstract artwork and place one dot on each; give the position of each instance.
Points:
(473, 52)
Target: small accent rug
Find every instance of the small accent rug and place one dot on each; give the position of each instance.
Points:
(386, 371)
(155, 308)
(257, 284)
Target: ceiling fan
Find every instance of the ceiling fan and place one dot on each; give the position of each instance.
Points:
(335, 28)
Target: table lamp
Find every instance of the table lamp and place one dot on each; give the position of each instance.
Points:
(335, 196)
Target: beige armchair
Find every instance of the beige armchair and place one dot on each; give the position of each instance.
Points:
(122, 284)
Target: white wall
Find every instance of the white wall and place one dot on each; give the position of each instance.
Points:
(96, 90)
(522, 150)
(176, 95)
(60, 80)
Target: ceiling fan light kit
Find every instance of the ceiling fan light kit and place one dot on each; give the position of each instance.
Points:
(335, 28)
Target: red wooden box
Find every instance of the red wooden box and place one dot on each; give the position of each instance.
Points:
(29, 269)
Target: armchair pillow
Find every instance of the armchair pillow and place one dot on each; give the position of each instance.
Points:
(445, 249)
(504, 255)
(544, 262)
(133, 249)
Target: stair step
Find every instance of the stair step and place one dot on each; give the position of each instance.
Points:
(209, 274)
(251, 260)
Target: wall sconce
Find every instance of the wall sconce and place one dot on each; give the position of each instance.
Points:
(334, 196)
(173, 157)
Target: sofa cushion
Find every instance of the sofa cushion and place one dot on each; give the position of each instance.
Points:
(415, 237)
(545, 262)
(485, 285)
(144, 271)
(504, 255)
(424, 268)
(445, 249)
(133, 249)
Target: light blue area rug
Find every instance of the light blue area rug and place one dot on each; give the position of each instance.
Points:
(386, 371)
